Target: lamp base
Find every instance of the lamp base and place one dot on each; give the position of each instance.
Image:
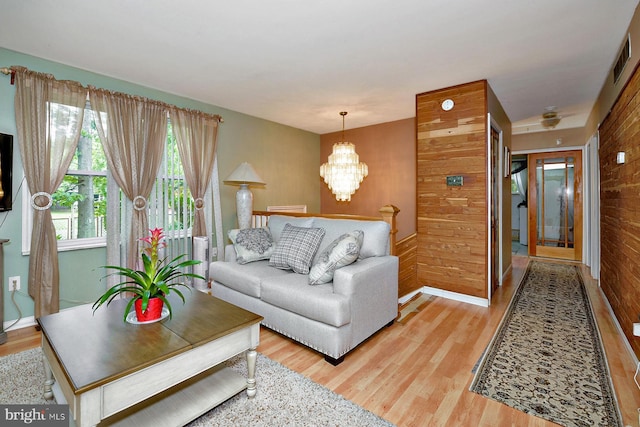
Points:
(244, 206)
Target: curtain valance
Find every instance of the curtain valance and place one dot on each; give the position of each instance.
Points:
(24, 70)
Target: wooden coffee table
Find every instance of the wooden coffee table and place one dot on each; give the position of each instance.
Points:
(169, 371)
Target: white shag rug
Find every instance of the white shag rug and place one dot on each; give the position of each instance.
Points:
(284, 398)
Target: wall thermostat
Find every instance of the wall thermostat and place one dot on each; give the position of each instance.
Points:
(455, 181)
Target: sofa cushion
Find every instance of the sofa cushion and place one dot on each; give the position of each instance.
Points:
(376, 234)
(296, 248)
(342, 251)
(292, 292)
(277, 223)
(252, 244)
(243, 278)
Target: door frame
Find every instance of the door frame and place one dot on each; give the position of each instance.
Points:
(580, 148)
(591, 211)
(499, 171)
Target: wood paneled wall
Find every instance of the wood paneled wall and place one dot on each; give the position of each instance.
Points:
(407, 250)
(452, 221)
(620, 208)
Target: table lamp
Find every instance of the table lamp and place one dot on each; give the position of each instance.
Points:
(244, 175)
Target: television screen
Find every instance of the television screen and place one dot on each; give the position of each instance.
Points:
(6, 165)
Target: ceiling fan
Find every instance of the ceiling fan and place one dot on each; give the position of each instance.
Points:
(550, 118)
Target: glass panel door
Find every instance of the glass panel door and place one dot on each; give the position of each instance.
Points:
(557, 212)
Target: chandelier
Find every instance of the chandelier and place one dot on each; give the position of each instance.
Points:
(344, 172)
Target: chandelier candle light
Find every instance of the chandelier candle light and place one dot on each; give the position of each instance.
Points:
(344, 172)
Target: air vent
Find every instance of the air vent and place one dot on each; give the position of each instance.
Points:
(623, 58)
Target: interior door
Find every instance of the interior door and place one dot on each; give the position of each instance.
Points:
(555, 205)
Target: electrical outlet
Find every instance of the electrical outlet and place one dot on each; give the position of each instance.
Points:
(14, 283)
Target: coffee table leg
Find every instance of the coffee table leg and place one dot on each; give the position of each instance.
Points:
(251, 372)
(49, 380)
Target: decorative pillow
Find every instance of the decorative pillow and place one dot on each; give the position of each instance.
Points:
(277, 222)
(252, 244)
(296, 248)
(341, 252)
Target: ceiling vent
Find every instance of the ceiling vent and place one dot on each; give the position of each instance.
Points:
(550, 118)
(623, 58)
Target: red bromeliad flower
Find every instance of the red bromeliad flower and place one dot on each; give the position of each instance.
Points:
(154, 241)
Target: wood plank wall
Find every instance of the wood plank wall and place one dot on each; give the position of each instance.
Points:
(620, 208)
(406, 250)
(452, 221)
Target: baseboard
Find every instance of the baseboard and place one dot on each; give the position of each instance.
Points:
(22, 323)
(405, 298)
(504, 275)
(483, 302)
(634, 358)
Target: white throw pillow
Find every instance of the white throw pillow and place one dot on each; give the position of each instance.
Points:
(296, 248)
(341, 252)
(252, 244)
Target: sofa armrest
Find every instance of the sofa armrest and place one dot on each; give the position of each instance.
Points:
(371, 285)
(367, 275)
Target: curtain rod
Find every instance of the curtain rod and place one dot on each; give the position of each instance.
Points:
(7, 70)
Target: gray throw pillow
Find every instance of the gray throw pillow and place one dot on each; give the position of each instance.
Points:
(341, 252)
(296, 248)
(252, 244)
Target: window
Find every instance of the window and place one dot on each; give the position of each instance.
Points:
(170, 203)
(514, 184)
(79, 204)
(79, 208)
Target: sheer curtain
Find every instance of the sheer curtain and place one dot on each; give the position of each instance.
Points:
(196, 134)
(133, 131)
(49, 116)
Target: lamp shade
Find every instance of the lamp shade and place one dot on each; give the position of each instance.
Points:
(244, 174)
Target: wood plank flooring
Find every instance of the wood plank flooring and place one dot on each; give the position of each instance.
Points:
(418, 373)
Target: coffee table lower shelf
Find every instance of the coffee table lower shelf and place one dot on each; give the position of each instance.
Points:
(171, 393)
(180, 404)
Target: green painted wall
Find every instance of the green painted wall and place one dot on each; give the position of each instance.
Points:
(286, 158)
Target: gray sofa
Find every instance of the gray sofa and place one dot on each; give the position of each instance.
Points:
(332, 317)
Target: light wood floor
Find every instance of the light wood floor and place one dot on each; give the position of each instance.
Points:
(418, 373)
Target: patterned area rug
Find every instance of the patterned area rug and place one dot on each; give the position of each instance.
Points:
(284, 398)
(547, 358)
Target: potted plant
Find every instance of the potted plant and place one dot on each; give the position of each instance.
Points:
(151, 285)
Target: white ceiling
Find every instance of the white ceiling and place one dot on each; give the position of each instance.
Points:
(301, 62)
